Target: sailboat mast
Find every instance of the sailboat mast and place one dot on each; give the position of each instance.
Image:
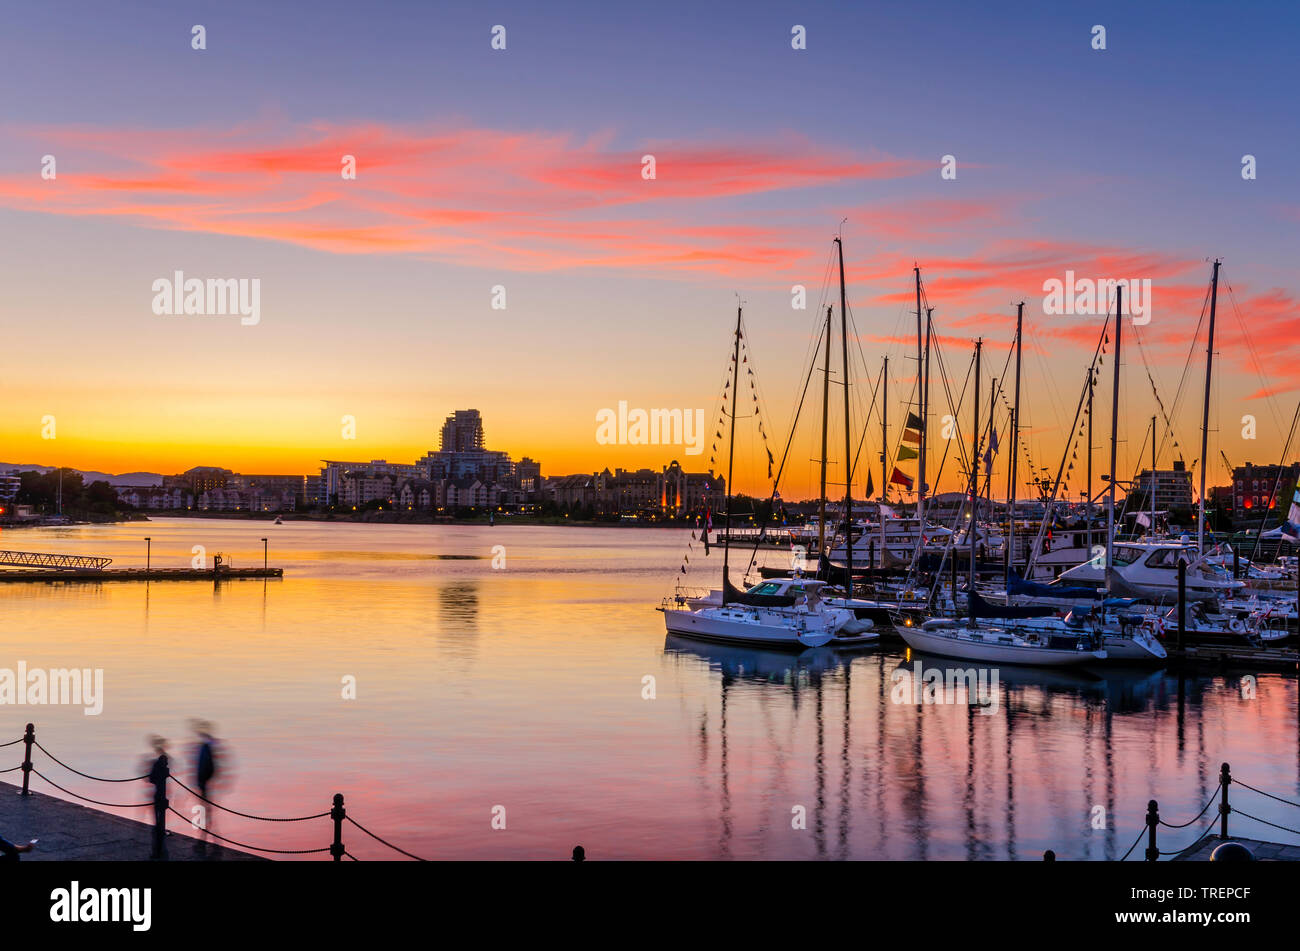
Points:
(884, 435)
(1205, 415)
(848, 435)
(731, 458)
(974, 478)
(1015, 449)
(1114, 436)
(826, 396)
(988, 474)
(925, 410)
(1151, 487)
(920, 397)
(1092, 385)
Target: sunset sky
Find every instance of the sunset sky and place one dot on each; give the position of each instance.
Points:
(523, 168)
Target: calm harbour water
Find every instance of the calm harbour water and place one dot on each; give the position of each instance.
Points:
(522, 687)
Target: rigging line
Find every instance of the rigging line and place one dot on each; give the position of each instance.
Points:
(1155, 392)
(955, 410)
(866, 426)
(811, 353)
(1176, 410)
(1286, 449)
(720, 407)
(1049, 508)
(1254, 354)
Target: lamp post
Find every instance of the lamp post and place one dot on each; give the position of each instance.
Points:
(263, 554)
(148, 549)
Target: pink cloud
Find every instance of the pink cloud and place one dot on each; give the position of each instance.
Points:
(532, 201)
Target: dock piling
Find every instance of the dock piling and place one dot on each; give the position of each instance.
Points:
(1182, 601)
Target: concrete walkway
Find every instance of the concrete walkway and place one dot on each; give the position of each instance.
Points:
(1263, 851)
(68, 831)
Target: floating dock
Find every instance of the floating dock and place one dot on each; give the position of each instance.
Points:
(137, 574)
(1281, 658)
(23, 566)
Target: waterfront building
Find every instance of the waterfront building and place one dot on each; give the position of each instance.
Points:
(314, 492)
(462, 432)
(1252, 486)
(10, 484)
(199, 479)
(333, 472)
(420, 494)
(362, 486)
(154, 498)
(1173, 489)
(528, 474)
(272, 487)
(669, 492)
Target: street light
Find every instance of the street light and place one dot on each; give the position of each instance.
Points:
(148, 548)
(263, 554)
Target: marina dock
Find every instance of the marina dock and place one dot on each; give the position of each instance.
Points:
(71, 832)
(1274, 658)
(137, 574)
(20, 566)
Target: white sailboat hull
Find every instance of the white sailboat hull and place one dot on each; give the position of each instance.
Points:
(747, 625)
(991, 650)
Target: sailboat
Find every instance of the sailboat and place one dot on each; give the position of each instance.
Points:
(984, 635)
(789, 619)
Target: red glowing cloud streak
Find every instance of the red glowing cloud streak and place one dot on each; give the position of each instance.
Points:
(527, 201)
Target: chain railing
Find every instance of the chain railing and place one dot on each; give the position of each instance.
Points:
(337, 814)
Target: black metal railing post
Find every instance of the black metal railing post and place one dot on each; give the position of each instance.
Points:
(1153, 820)
(160, 802)
(1225, 780)
(28, 739)
(337, 814)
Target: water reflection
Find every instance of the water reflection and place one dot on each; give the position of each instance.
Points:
(458, 613)
(1059, 759)
(524, 685)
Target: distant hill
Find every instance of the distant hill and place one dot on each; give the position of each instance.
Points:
(126, 478)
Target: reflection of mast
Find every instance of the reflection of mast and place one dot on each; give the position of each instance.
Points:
(968, 794)
(846, 767)
(882, 833)
(724, 804)
(1108, 757)
(917, 794)
(1011, 783)
(819, 771)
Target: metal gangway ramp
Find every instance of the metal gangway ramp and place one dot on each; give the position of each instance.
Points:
(36, 559)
